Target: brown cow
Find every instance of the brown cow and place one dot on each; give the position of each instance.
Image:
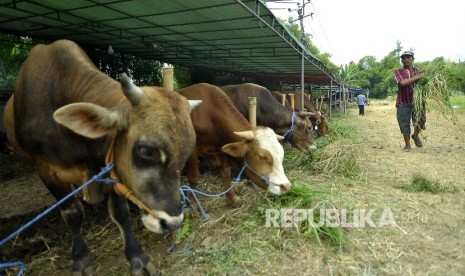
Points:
(296, 128)
(225, 140)
(317, 118)
(279, 97)
(66, 117)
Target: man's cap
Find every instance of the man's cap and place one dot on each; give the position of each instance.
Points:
(407, 53)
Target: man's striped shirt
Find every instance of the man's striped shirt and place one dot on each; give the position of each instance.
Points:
(405, 93)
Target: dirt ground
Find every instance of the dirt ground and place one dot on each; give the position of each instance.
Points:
(428, 239)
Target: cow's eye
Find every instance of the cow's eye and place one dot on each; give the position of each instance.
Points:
(264, 157)
(146, 152)
(147, 155)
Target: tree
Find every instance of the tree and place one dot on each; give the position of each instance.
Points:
(457, 76)
(307, 38)
(349, 74)
(13, 52)
(143, 71)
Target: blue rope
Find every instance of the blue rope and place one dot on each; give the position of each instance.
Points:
(99, 178)
(13, 264)
(290, 132)
(186, 189)
(96, 178)
(184, 199)
(262, 178)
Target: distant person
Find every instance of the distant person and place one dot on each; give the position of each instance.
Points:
(406, 78)
(361, 100)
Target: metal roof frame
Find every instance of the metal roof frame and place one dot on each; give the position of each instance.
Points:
(234, 36)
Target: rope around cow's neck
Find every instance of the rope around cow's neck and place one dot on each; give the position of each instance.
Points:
(265, 179)
(288, 134)
(122, 189)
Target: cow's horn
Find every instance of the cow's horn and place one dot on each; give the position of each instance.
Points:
(131, 91)
(306, 113)
(194, 103)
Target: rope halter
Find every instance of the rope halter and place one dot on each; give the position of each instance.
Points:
(122, 189)
(288, 134)
(265, 179)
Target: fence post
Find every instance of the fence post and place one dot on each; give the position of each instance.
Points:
(253, 111)
(168, 77)
(292, 101)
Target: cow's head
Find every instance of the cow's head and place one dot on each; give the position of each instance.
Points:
(154, 138)
(318, 119)
(264, 156)
(302, 137)
(323, 126)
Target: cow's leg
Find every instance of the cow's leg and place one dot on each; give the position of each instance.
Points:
(119, 212)
(193, 175)
(72, 212)
(232, 198)
(192, 169)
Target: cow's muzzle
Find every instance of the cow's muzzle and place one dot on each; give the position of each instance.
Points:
(162, 223)
(312, 147)
(279, 189)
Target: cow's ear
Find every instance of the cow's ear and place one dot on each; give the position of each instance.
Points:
(88, 119)
(237, 149)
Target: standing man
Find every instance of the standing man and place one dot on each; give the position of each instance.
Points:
(361, 99)
(406, 78)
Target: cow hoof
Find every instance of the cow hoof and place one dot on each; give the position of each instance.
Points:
(141, 269)
(85, 272)
(82, 267)
(236, 202)
(149, 269)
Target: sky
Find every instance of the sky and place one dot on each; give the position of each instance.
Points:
(352, 29)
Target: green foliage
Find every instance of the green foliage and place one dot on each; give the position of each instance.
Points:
(433, 88)
(457, 76)
(143, 71)
(420, 183)
(250, 224)
(301, 197)
(294, 28)
(186, 227)
(13, 52)
(182, 77)
(378, 77)
(458, 102)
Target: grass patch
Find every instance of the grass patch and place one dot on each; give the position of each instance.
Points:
(420, 183)
(336, 153)
(458, 103)
(225, 258)
(303, 197)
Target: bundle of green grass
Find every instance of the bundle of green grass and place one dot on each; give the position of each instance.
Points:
(432, 91)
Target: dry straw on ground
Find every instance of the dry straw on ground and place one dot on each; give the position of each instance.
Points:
(428, 239)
